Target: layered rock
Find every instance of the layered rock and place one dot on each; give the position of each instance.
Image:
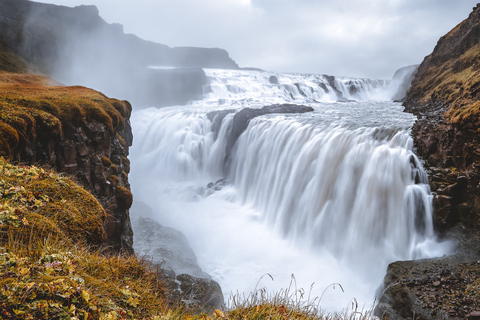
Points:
(77, 131)
(445, 95)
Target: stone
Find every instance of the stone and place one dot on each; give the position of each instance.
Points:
(201, 295)
(273, 80)
(162, 245)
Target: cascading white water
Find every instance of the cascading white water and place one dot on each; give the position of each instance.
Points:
(352, 192)
(239, 85)
(331, 196)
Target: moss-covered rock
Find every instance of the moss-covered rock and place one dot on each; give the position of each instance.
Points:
(75, 130)
(35, 204)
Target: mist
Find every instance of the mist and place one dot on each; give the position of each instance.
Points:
(76, 46)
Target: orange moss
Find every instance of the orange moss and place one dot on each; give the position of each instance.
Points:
(106, 162)
(30, 107)
(124, 197)
(125, 164)
(113, 179)
(457, 83)
(36, 203)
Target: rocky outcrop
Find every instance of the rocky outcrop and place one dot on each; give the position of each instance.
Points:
(242, 118)
(163, 245)
(76, 46)
(195, 293)
(431, 289)
(185, 282)
(76, 131)
(445, 95)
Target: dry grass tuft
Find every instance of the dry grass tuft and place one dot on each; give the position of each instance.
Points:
(36, 203)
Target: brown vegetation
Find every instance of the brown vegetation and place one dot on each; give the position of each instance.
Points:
(29, 108)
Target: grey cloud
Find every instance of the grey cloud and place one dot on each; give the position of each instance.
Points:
(365, 38)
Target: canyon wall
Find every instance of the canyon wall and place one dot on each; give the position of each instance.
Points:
(445, 95)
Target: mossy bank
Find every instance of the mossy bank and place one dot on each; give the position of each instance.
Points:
(75, 130)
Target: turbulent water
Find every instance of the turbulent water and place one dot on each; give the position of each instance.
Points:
(329, 196)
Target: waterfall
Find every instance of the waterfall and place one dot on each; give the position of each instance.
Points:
(258, 86)
(353, 192)
(331, 196)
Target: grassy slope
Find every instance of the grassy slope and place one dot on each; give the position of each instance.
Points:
(450, 76)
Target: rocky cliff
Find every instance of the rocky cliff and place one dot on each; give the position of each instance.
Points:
(77, 131)
(76, 46)
(445, 95)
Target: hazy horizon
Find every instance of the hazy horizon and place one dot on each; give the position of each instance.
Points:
(368, 38)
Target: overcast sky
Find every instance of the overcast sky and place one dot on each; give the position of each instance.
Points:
(360, 38)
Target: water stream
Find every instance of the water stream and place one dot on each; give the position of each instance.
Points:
(329, 196)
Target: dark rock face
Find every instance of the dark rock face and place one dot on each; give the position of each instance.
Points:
(431, 289)
(444, 96)
(242, 119)
(199, 294)
(446, 133)
(273, 80)
(76, 46)
(97, 159)
(452, 157)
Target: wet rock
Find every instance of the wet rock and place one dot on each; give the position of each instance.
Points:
(273, 80)
(439, 288)
(168, 249)
(243, 117)
(217, 186)
(199, 294)
(162, 245)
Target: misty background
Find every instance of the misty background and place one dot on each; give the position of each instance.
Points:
(357, 38)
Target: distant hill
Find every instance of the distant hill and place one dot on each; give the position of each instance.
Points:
(76, 46)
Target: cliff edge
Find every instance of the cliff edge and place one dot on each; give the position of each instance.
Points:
(445, 95)
(74, 130)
